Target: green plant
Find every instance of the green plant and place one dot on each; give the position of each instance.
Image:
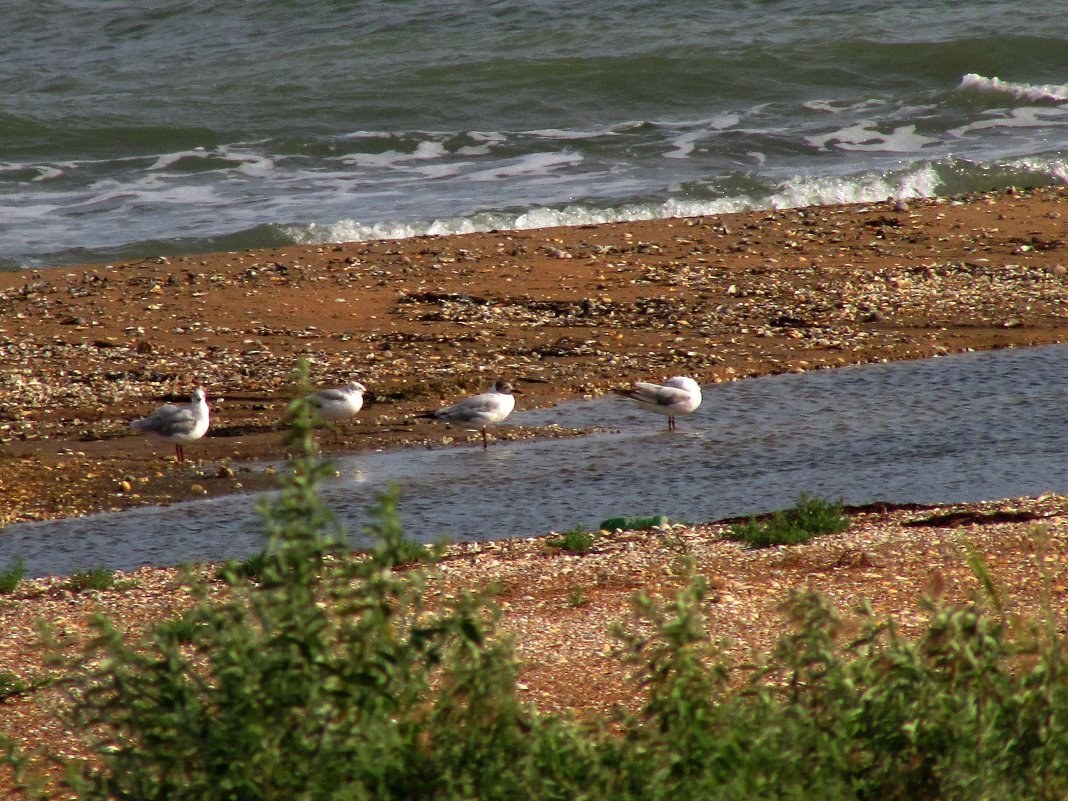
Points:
(11, 685)
(12, 577)
(180, 630)
(97, 578)
(632, 523)
(809, 518)
(975, 708)
(577, 597)
(234, 570)
(577, 540)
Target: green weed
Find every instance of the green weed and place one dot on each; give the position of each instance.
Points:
(181, 630)
(577, 597)
(234, 570)
(97, 578)
(12, 577)
(576, 540)
(11, 685)
(810, 518)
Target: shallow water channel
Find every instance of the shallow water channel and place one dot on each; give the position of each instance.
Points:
(957, 428)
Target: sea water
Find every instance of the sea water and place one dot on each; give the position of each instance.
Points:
(132, 129)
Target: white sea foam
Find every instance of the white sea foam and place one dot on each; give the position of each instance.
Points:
(684, 145)
(529, 164)
(796, 192)
(424, 151)
(560, 133)
(1030, 117)
(1024, 91)
(840, 106)
(166, 160)
(42, 172)
(864, 137)
(488, 142)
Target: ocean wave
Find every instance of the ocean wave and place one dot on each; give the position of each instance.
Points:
(1053, 166)
(1022, 91)
(920, 181)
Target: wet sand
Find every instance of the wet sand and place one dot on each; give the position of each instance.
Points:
(562, 313)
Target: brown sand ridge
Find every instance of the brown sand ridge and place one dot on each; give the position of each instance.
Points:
(562, 312)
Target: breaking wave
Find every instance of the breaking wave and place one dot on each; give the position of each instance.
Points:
(1044, 93)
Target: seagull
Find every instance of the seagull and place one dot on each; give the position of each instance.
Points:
(482, 410)
(180, 423)
(678, 395)
(338, 404)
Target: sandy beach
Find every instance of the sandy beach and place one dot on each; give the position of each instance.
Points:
(562, 313)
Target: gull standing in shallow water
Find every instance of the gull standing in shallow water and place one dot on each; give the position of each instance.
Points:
(178, 423)
(482, 410)
(338, 404)
(678, 395)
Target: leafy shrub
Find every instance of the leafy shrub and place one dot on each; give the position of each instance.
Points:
(976, 708)
(810, 518)
(576, 540)
(12, 577)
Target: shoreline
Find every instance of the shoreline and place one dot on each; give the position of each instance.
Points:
(563, 312)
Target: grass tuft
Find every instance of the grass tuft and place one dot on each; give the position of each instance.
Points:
(97, 578)
(234, 570)
(576, 540)
(181, 630)
(810, 518)
(12, 577)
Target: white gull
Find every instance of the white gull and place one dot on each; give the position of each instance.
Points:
(678, 395)
(338, 404)
(178, 423)
(485, 409)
